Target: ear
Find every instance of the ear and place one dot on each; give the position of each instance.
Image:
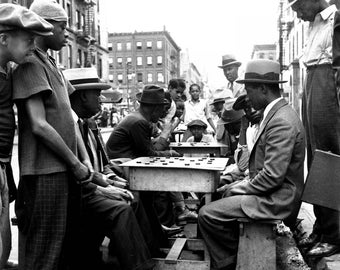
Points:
(82, 95)
(4, 39)
(264, 89)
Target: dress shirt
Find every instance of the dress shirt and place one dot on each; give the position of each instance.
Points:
(318, 48)
(196, 110)
(267, 109)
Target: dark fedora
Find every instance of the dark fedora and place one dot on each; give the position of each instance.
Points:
(197, 123)
(262, 71)
(230, 116)
(152, 94)
(240, 103)
(229, 60)
(85, 79)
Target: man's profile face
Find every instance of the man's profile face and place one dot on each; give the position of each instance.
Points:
(20, 44)
(59, 37)
(91, 102)
(255, 95)
(231, 72)
(306, 9)
(156, 113)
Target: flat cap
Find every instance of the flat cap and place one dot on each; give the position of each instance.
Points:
(15, 17)
(49, 10)
(198, 123)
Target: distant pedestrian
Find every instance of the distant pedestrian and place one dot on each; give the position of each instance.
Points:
(230, 68)
(18, 27)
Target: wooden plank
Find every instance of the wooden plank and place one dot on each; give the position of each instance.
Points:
(322, 185)
(182, 265)
(175, 251)
(182, 180)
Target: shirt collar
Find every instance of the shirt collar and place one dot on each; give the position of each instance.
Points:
(327, 12)
(194, 102)
(269, 107)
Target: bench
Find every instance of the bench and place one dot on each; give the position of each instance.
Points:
(257, 244)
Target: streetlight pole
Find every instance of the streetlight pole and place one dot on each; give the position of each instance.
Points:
(127, 85)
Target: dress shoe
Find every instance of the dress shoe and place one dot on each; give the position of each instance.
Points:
(309, 241)
(186, 215)
(323, 250)
(170, 231)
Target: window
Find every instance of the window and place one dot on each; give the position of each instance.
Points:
(128, 60)
(109, 46)
(98, 32)
(87, 63)
(149, 44)
(159, 60)
(149, 60)
(111, 61)
(100, 68)
(129, 76)
(160, 77)
(139, 45)
(159, 44)
(119, 46)
(69, 12)
(149, 77)
(111, 77)
(82, 24)
(139, 77)
(120, 78)
(79, 58)
(139, 61)
(78, 20)
(119, 61)
(128, 46)
(69, 56)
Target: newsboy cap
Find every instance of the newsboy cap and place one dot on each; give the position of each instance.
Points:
(152, 94)
(16, 17)
(85, 79)
(262, 71)
(197, 123)
(229, 60)
(49, 10)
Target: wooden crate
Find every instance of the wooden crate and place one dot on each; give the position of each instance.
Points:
(185, 254)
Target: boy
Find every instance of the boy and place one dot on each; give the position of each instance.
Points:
(197, 128)
(48, 151)
(18, 26)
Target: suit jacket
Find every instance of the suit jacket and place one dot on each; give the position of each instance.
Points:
(276, 166)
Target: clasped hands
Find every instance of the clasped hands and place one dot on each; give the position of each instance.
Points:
(235, 188)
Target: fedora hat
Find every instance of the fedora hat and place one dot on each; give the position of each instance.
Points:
(198, 123)
(262, 71)
(240, 103)
(228, 60)
(152, 94)
(85, 79)
(230, 116)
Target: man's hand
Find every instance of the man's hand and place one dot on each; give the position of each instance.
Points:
(173, 153)
(116, 193)
(81, 172)
(236, 188)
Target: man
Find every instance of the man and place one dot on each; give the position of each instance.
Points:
(230, 68)
(105, 208)
(320, 108)
(48, 147)
(275, 168)
(196, 108)
(132, 139)
(18, 26)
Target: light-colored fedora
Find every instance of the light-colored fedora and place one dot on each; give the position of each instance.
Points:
(228, 60)
(262, 71)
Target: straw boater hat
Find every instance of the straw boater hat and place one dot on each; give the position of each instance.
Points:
(15, 17)
(228, 60)
(262, 71)
(85, 79)
(152, 94)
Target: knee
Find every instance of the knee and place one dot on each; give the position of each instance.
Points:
(203, 215)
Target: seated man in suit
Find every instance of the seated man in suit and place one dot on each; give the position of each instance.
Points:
(275, 183)
(106, 210)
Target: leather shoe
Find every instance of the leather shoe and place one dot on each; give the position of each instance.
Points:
(309, 241)
(170, 231)
(323, 250)
(187, 215)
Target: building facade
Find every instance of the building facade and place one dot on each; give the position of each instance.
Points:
(87, 43)
(141, 58)
(264, 51)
